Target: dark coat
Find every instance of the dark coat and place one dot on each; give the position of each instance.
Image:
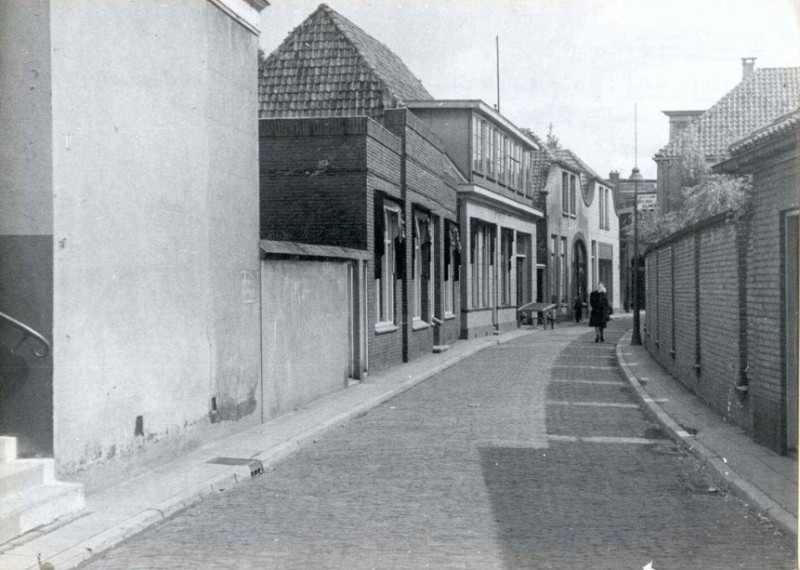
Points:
(601, 310)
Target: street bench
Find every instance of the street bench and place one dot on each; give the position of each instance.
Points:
(545, 312)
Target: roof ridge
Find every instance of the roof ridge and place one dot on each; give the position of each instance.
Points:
(702, 127)
(329, 12)
(341, 23)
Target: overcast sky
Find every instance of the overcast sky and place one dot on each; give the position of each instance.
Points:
(578, 64)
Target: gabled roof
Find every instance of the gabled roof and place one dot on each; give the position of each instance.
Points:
(757, 100)
(328, 66)
(774, 130)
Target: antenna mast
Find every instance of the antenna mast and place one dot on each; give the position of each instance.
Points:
(497, 49)
(636, 134)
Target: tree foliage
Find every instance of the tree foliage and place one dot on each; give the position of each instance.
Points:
(552, 141)
(703, 194)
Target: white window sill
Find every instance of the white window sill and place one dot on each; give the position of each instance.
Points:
(448, 315)
(382, 328)
(418, 324)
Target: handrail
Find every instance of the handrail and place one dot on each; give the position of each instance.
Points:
(28, 331)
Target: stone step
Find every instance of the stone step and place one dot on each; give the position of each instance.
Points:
(23, 474)
(33, 508)
(8, 448)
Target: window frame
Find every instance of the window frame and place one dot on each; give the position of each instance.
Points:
(386, 298)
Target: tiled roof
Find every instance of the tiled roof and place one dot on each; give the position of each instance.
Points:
(757, 100)
(328, 66)
(763, 135)
(540, 162)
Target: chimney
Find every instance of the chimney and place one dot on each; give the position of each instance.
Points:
(679, 120)
(613, 177)
(748, 64)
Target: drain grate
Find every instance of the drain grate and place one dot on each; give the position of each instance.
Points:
(256, 467)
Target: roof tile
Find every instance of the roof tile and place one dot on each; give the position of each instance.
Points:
(756, 101)
(329, 65)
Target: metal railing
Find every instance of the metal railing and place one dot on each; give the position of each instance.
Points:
(28, 332)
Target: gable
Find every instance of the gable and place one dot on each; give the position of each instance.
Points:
(328, 66)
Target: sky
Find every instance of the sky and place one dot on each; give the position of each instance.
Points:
(581, 65)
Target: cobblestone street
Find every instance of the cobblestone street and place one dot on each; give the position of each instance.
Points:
(530, 454)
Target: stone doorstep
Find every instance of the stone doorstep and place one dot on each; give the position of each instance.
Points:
(8, 449)
(30, 496)
(24, 474)
(39, 506)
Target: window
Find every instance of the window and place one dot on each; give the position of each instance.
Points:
(526, 173)
(422, 264)
(554, 286)
(572, 194)
(495, 138)
(389, 238)
(476, 144)
(594, 261)
(506, 258)
(604, 199)
(564, 193)
(481, 261)
(484, 145)
(452, 264)
(564, 268)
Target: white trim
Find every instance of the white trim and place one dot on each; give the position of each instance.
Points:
(418, 324)
(493, 196)
(245, 12)
(385, 327)
(477, 105)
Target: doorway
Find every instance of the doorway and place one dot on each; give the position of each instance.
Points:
(579, 270)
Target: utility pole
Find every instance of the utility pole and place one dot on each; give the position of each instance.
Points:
(636, 178)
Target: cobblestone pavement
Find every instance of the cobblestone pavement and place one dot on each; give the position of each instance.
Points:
(497, 462)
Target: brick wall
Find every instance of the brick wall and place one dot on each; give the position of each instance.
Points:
(313, 177)
(693, 313)
(777, 189)
(318, 184)
(427, 188)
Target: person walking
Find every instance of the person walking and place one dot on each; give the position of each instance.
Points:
(577, 308)
(600, 311)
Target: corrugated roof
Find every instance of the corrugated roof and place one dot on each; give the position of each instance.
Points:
(328, 66)
(757, 100)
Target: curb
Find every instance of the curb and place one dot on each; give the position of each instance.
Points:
(108, 539)
(739, 486)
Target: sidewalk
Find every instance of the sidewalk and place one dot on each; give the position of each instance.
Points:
(764, 479)
(114, 514)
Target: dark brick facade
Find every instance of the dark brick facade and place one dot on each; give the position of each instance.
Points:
(717, 292)
(319, 178)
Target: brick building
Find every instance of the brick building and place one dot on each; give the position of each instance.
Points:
(498, 210)
(760, 97)
(722, 295)
(345, 165)
(770, 155)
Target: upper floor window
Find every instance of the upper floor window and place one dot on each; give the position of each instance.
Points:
(572, 194)
(497, 156)
(568, 193)
(605, 197)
